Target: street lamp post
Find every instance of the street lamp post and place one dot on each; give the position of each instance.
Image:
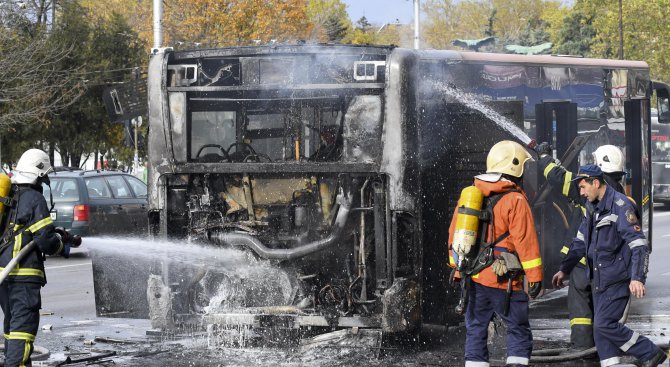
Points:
(620, 30)
(416, 25)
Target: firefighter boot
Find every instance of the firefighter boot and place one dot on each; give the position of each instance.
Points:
(656, 360)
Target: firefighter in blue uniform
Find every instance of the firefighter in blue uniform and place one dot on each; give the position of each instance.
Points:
(27, 220)
(617, 263)
(610, 159)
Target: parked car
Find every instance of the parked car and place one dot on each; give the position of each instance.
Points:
(94, 203)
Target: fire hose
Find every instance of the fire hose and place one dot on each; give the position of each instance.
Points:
(12, 263)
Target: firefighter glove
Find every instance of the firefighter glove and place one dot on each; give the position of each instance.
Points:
(67, 238)
(499, 267)
(534, 289)
(544, 149)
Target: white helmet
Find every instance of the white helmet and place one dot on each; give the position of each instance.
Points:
(507, 157)
(609, 158)
(33, 164)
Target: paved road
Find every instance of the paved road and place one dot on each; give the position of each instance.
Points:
(68, 306)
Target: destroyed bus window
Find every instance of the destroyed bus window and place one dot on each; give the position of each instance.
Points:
(268, 132)
(211, 133)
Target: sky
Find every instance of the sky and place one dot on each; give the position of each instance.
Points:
(379, 12)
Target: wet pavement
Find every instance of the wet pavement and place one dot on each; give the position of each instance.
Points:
(135, 344)
(76, 332)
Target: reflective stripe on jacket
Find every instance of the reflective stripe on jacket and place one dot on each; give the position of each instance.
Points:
(30, 220)
(612, 239)
(511, 214)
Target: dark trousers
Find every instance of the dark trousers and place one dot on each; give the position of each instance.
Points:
(483, 302)
(580, 307)
(21, 303)
(613, 338)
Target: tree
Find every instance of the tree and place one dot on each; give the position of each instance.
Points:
(328, 17)
(230, 23)
(645, 30)
(575, 35)
(31, 86)
(29, 17)
(335, 29)
(447, 20)
(107, 50)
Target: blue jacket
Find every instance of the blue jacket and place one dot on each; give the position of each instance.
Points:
(612, 239)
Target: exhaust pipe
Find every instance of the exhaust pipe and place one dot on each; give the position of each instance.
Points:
(255, 244)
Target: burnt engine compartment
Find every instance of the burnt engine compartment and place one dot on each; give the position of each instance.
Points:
(311, 239)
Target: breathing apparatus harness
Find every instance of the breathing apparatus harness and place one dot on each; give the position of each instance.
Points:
(481, 256)
(9, 198)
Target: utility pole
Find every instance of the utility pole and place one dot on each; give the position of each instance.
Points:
(136, 160)
(158, 24)
(620, 30)
(137, 121)
(417, 31)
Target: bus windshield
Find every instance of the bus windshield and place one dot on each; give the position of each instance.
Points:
(276, 130)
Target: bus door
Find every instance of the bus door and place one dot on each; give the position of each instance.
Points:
(454, 141)
(638, 154)
(556, 217)
(557, 124)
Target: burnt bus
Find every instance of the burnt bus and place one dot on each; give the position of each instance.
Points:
(340, 166)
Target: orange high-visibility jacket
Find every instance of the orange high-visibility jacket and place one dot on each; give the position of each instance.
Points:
(512, 213)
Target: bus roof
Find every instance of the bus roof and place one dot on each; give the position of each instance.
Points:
(473, 57)
(482, 57)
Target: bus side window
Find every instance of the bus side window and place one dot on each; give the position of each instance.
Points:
(663, 109)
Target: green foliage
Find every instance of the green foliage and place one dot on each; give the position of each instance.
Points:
(576, 35)
(363, 23)
(511, 21)
(335, 28)
(330, 20)
(103, 52)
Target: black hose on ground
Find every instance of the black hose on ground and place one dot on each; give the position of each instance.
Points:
(560, 355)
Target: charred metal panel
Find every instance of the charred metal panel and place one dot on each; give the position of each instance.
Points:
(289, 167)
(399, 160)
(402, 310)
(277, 191)
(407, 251)
(178, 110)
(125, 101)
(382, 260)
(159, 152)
(454, 142)
(120, 286)
(362, 130)
(275, 70)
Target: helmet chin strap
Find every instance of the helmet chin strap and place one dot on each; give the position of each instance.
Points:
(51, 196)
(45, 179)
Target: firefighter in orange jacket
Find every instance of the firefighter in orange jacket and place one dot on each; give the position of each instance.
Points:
(511, 231)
